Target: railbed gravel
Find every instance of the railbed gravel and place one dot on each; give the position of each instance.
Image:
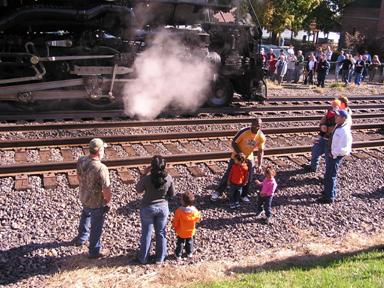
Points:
(37, 224)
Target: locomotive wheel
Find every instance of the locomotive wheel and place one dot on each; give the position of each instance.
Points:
(221, 93)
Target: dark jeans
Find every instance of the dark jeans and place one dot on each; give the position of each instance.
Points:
(345, 76)
(330, 177)
(235, 193)
(181, 242)
(91, 227)
(321, 79)
(318, 149)
(309, 78)
(153, 216)
(267, 203)
(224, 180)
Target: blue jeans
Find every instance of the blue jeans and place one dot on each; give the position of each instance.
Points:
(358, 77)
(153, 216)
(224, 180)
(319, 148)
(235, 193)
(265, 201)
(94, 219)
(330, 177)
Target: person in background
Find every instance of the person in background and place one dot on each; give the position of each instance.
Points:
(281, 68)
(365, 72)
(322, 70)
(339, 61)
(263, 57)
(270, 63)
(317, 53)
(157, 185)
(352, 70)
(310, 69)
(184, 223)
(320, 145)
(359, 66)
(268, 188)
(374, 67)
(299, 66)
(246, 141)
(340, 145)
(237, 179)
(291, 64)
(369, 57)
(291, 50)
(346, 67)
(328, 54)
(95, 196)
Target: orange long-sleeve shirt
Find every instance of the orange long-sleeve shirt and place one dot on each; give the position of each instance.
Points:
(184, 221)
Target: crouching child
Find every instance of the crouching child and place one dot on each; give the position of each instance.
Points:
(184, 223)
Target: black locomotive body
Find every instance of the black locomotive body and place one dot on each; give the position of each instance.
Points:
(86, 48)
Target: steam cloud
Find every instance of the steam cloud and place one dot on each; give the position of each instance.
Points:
(167, 75)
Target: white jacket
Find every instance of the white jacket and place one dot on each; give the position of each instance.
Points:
(341, 141)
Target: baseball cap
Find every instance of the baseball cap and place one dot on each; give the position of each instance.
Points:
(342, 113)
(95, 144)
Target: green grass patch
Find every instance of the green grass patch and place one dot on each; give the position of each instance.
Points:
(364, 269)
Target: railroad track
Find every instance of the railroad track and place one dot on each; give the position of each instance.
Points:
(173, 122)
(257, 109)
(215, 143)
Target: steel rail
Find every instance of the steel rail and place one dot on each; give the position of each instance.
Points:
(36, 168)
(6, 144)
(323, 98)
(86, 114)
(173, 122)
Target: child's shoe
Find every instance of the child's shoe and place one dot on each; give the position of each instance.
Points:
(232, 205)
(178, 259)
(268, 221)
(237, 204)
(189, 255)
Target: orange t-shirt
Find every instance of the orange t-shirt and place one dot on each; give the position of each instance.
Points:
(238, 174)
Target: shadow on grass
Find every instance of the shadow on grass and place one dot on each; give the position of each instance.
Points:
(306, 262)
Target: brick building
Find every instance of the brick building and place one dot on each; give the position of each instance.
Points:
(365, 16)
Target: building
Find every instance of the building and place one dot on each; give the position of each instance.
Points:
(366, 17)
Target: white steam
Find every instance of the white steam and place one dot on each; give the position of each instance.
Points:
(167, 75)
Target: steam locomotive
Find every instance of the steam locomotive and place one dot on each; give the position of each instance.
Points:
(71, 49)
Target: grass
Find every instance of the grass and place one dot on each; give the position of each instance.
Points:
(363, 269)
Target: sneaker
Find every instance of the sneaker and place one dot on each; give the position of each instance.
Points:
(232, 206)
(237, 204)
(190, 256)
(323, 200)
(99, 255)
(77, 242)
(245, 199)
(178, 259)
(268, 220)
(215, 195)
(258, 213)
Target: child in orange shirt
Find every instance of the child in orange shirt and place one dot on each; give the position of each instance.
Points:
(237, 179)
(184, 223)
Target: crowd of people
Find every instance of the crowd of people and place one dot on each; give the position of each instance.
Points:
(334, 142)
(290, 66)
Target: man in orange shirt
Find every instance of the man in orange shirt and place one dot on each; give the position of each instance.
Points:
(244, 143)
(184, 223)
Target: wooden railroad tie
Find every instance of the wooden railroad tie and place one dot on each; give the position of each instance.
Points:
(73, 181)
(22, 182)
(20, 156)
(45, 155)
(125, 175)
(67, 154)
(49, 180)
(195, 171)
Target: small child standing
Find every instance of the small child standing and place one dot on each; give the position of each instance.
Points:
(268, 187)
(184, 223)
(237, 179)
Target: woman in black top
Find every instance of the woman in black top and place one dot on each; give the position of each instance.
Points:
(156, 185)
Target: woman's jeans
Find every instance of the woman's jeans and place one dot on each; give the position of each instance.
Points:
(153, 216)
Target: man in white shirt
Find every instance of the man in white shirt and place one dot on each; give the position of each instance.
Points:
(340, 146)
